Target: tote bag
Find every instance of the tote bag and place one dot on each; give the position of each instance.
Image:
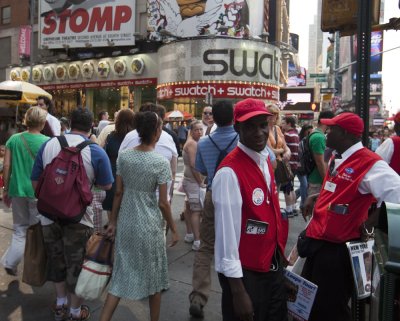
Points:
(35, 258)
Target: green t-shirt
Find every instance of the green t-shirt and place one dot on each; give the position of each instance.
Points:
(22, 162)
(317, 146)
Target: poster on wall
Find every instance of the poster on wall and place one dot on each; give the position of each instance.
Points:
(86, 23)
(191, 18)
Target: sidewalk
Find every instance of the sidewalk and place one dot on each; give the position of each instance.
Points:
(20, 302)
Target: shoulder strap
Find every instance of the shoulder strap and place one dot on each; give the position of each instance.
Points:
(63, 141)
(276, 136)
(212, 141)
(234, 138)
(27, 147)
(84, 144)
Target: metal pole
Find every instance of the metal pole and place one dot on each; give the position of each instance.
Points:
(32, 22)
(363, 65)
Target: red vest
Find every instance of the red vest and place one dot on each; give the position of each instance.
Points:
(327, 224)
(259, 204)
(395, 161)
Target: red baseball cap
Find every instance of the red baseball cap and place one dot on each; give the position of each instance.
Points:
(249, 108)
(396, 118)
(352, 123)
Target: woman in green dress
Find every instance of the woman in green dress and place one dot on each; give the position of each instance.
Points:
(140, 267)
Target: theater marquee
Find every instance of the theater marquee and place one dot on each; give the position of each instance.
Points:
(222, 67)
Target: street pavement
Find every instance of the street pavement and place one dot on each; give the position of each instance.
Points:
(21, 302)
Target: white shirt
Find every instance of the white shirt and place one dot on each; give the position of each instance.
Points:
(213, 127)
(165, 147)
(54, 124)
(101, 140)
(381, 180)
(228, 214)
(386, 150)
(102, 124)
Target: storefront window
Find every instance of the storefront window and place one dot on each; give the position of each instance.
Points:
(107, 99)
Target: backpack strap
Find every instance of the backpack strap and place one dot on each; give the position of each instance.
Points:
(84, 144)
(63, 141)
(212, 141)
(226, 148)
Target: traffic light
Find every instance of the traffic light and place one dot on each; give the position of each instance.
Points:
(315, 106)
(342, 15)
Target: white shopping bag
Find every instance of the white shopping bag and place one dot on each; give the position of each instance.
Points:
(93, 280)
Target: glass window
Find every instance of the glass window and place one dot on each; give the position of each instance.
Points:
(5, 15)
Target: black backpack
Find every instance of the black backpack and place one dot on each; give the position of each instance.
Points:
(307, 162)
(222, 152)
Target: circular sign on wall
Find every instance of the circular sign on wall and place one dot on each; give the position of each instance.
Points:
(25, 74)
(73, 71)
(15, 74)
(87, 70)
(103, 69)
(120, 67)
(61, 72)
(137, 66)
(48, 73)
(36, 74)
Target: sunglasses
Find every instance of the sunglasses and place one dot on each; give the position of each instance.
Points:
(207, 113)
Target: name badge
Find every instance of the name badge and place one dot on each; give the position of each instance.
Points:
(256, 227)
(329, 186)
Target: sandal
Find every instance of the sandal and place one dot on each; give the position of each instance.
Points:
(85, 314)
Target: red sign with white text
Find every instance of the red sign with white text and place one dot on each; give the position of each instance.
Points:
(218, 90)
(24, 41)
(86, 23)
(102, 84)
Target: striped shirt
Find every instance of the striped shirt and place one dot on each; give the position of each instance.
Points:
(292, 141)
(207, 153)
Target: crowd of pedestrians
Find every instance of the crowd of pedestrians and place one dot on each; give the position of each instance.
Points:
(231, 161)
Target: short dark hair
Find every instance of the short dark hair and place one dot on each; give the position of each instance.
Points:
(303, 130)
(101, 114)
(146, 124)
(223, 113)
(81, 119)
(155, 108)
(46, 100)
(325, 114)
(124, 122)
(290, 120)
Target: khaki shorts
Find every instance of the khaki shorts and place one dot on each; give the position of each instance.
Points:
(192, 191)
(65, 247)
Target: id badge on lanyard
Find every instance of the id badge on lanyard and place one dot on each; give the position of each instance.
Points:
(330, 186)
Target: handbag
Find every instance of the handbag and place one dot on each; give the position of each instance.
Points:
(283, 173)
(100, 249)
(92, 280)
(97, 267)
(307, 246)
(35, 257)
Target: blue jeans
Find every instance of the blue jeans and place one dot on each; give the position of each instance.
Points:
(302, 191)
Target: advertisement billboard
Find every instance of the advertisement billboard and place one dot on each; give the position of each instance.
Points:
(191, 18)
(86, 23)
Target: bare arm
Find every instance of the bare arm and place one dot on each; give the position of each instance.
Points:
(191, 149)
(6, 176)
(321, 165)
(174, 165)
(119, 192)
(241, 300)
(104, 187)
(165, 208)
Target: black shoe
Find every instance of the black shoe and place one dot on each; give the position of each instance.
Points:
(289, 214)
(296, 212)
(196, 310)
(10, 271)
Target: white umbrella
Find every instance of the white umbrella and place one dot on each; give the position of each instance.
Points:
(174, 114)
(21, 92)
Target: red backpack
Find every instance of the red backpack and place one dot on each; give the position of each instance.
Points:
(63, 190)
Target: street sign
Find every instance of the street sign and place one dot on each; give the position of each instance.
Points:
(318, 75)
(328, 90)
(321, 79)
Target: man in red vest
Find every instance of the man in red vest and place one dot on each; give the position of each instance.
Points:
(250, 232)
(356, 178)
(389, 150)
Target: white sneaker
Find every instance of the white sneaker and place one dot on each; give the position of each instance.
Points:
(196, 245)
(189, 238)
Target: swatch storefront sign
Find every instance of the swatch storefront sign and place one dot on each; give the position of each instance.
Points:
(223, 67)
